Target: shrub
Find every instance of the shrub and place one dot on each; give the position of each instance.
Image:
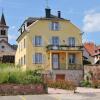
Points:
(85, 83)
(16, 76)
(96, 83)
(67, 85)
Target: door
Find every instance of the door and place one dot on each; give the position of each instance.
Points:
(60, 77)
(55, 61)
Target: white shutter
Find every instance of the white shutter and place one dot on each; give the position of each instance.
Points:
(42, 41)
(67, 41)
(33, 41)
(50, 26)
(50, 41)
(59, 27)
(33, 58)
(43, 58)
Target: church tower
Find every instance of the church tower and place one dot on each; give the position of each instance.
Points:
(3, 29)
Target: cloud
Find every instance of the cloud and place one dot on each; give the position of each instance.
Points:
(91, 21)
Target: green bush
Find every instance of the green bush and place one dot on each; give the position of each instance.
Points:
(85, 83)
(16, 76)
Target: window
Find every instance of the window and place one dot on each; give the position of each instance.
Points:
(71, 58)
(55, 40)
(55, 26)
(38, 58)
(38, 40)
(2, 47)
(24, 59)
(71, 41)
(3, 32)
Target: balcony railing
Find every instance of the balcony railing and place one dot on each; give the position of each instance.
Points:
(64, 47)
(70, 67)
(75, 67)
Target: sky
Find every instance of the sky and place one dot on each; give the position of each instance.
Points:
(85, 14)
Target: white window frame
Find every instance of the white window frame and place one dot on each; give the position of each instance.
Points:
(38, 40)
(55, 40)
(71, 41)
(38, 58)
(72, 58)
(55, 26)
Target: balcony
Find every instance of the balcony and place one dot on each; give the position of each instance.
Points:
(75, 67)
(64, 47)
(70, 67)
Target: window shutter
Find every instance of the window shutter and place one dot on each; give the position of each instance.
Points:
(59, 26)
(42, 40)
(43, 58)
(33, 59)
(33, 41)
(50, 41)
(67, 41)
(50, 26)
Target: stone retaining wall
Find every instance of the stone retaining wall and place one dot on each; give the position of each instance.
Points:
(18, 89)
(73, 75)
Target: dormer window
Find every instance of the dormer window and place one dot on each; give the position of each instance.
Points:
(3, 32)
(29, 23)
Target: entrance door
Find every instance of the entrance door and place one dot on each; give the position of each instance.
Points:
(60, 77)
(55, 61)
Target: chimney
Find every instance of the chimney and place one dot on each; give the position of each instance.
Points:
(48, 12)
(59, 14)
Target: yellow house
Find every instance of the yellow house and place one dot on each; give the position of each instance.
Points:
(52, 43)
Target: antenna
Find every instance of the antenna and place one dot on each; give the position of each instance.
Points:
(47, 4)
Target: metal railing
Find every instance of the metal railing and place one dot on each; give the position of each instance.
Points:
(64, 47)
(70, 67)
(75, 67)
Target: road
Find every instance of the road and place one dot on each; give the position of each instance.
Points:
(70, 96)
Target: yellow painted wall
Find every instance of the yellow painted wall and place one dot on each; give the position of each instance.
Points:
(41, 28)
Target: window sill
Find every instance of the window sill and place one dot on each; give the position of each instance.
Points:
(38, 46)
(38, 63)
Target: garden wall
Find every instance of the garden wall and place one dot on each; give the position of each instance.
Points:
(19, 89)
(94, 69)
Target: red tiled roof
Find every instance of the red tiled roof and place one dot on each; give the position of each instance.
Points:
(90, 47)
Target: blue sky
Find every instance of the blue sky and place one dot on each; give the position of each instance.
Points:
(83, 13)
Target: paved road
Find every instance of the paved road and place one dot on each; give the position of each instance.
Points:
(70, 96)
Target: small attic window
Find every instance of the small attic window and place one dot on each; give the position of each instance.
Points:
(29, 23)
(3, 32)
(55, 26)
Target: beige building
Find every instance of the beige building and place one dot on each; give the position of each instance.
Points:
(52, 43)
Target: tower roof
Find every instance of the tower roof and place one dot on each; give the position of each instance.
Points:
(2, 21)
